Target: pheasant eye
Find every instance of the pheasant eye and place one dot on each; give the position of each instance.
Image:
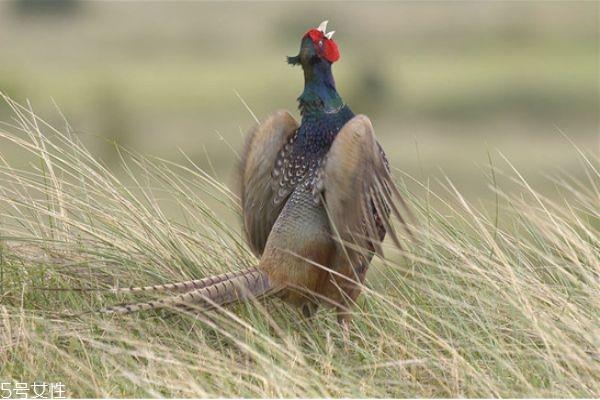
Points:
(323, 44)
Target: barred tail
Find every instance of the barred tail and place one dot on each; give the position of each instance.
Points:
(184, 286)
(167, 287)
(249, 283)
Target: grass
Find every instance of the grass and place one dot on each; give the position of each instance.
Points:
(499, 301)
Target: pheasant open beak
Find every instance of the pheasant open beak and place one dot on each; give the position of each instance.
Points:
(323, 28)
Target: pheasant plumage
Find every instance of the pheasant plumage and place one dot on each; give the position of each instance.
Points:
(316, 200)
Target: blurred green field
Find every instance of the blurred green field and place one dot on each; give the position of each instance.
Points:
(444, 83)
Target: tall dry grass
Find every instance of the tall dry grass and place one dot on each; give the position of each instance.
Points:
(496, 301)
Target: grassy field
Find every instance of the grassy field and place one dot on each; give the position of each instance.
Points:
(493, 301)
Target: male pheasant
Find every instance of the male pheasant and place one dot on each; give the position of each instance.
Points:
(316, 200)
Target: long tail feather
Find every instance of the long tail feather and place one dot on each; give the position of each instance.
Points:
(184, 286)
(167, 287)
(249, 283)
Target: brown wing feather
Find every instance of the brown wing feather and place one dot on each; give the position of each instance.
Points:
(263, 145)
(359, 192)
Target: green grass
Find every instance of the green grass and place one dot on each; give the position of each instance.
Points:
(499, 300)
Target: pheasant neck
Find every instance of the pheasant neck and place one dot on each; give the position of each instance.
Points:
(320, 94)
(323, 113)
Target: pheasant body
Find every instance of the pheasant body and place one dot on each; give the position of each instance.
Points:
(299, 160)
(316, 198)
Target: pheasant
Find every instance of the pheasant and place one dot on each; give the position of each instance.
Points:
(316, 199)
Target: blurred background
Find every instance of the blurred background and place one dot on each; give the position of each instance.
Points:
(444, 83)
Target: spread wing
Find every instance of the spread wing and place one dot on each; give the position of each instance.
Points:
(263, 147)
(357, 187)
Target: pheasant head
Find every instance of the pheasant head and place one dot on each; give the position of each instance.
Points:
(317, 53)
(317, 45)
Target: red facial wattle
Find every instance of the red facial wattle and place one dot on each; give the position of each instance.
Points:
(326, 48)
